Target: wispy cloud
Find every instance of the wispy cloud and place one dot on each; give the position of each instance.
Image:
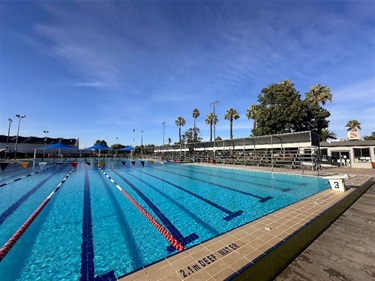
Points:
(156, 60)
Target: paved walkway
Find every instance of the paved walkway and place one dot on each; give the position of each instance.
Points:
(346, 250)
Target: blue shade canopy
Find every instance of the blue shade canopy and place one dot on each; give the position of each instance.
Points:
(127, 148)
(99, 147)
(57, 145)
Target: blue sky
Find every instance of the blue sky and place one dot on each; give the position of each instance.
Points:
(99, 69)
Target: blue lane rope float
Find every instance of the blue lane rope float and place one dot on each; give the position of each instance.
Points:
(17, 235)
(170, 238)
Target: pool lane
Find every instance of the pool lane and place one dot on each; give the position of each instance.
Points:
(261, 198)
(21, 200)
(230, 214)
(87, 254)
(167, 235)
(162, 193)
(184, 240)
(87, 247)
(181, 167)
(235, 172)
(17, 177)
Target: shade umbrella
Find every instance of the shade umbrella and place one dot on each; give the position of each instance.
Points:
(127, 148)
(99, 147)
(58, 146)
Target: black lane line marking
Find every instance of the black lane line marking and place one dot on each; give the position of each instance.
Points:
(18, 203)
(261, 199)
(244, 181)
(87, 247)
(167, 223)
(230, 214)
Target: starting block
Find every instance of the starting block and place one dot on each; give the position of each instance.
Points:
(337, 182)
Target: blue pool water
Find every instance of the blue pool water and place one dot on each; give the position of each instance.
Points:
(89, 228)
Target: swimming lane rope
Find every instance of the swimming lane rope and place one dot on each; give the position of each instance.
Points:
(17, 235)
(170, 238)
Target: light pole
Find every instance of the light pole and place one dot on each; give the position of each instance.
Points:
(133, 141)
(6, 148)
(116, 146)
(163, 134)
(45, 143)
(213, 104)
(142, 143)
(19, 116)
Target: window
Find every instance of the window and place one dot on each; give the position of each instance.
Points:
(361, 155)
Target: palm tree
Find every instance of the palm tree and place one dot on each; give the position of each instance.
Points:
(319, 94)
(251, 113)
(327, 134)
(180, 122)
(196, 114)
(353, 125)
(231, 115)
(211, 119)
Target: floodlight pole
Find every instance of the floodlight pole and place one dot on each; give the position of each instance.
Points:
(163, 135)
(19, 116)
(6, 148)
(133, 142)
(45, 143)
(212, 104)
(142, 144)
(116, 146)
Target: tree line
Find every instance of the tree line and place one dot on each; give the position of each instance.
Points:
(280, 109)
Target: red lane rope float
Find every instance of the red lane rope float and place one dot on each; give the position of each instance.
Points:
(17, 235)
(174, 242)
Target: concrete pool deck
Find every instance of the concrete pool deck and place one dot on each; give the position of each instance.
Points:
(261, 249)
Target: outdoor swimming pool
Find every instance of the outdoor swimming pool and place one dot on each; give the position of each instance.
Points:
(124, 217)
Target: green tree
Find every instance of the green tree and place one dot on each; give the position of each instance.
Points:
(251, 114)
(371, 137)
(196, 114)
(281, 110)
(169, 141)
(211, 119)
(327, 134)
(353, 125)
(191, 138)
(179, 123)
(102, 142)
(231, 115)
